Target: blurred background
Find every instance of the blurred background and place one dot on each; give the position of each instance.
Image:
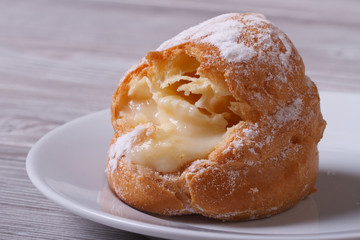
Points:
(61, 59)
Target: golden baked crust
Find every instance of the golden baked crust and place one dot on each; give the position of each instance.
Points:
(268, 160)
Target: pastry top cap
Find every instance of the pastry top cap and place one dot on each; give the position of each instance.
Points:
(259, 63)
(230, 34)
(223, 32)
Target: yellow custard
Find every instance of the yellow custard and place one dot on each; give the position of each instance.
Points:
(184, 114)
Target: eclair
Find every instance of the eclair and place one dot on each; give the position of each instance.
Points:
(220, 121)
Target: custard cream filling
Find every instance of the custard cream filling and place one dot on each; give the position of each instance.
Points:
(185, 118)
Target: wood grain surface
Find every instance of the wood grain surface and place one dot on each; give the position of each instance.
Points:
(61, 59)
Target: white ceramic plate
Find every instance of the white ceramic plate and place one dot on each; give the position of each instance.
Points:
(67, 166)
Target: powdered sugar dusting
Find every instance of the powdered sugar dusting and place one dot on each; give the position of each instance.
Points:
(289, 113)
(225, 36)
(122, 145)
(248, 137)
(254, 190)
(194, 165)
(194, 33)
(223, 32)
(284, 57)
(309, 82)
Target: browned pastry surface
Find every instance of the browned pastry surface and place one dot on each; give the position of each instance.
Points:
(241, 118)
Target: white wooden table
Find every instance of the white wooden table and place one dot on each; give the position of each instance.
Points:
(61, 59)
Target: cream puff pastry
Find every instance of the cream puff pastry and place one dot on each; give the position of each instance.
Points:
(220, 120)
